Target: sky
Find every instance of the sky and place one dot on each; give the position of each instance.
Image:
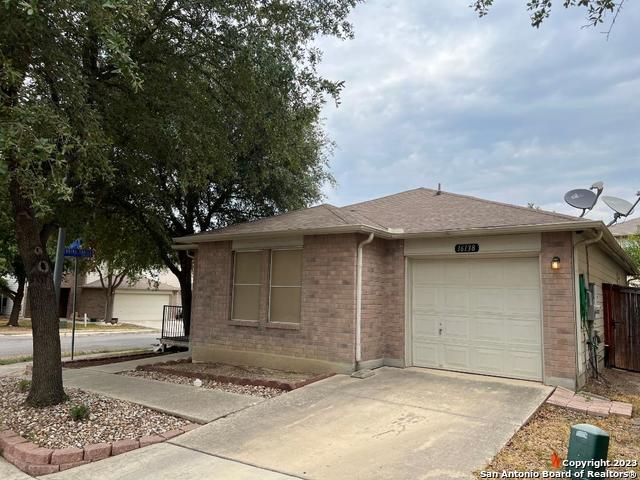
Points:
(489, 107)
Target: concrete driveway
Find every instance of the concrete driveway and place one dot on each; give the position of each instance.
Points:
(401, 424)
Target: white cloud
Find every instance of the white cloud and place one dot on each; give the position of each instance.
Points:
(489, 107)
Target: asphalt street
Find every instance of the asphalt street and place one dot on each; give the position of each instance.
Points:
(12, 345)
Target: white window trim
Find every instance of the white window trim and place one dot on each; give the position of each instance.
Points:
(233, 285)
(286, 249)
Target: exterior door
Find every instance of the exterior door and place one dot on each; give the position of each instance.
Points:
(477, 315)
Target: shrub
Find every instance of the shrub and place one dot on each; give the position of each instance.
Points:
(79, 413)
(24, 385)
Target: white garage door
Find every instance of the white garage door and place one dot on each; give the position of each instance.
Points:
(478, 315)
(140, 307)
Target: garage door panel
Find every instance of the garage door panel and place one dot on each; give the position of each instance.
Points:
(524, 364)
(523, 301)
(456, 299)
(487, 328)
(426, 353)
(489, 360)
(523, 332)
(425, 324)
(455, 327)
(425, 299)
(489, 312)
(455, 357)
(455, 274)
(488, 300)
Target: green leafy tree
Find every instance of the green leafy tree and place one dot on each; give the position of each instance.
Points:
(10, 262)
(200, 113)
(631, 245)
(122, 252)
(52, 144)
(596, 11)
(227, 125)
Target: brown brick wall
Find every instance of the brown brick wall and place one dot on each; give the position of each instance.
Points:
(327, 323)
(90, 301)
(383, 300)
(558, 308)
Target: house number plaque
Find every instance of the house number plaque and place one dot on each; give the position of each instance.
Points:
(467, 248)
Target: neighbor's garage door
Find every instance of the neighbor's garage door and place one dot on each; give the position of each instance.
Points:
(478, 315)
(140, 307)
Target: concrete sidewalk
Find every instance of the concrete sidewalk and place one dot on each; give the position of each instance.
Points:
(165, 461)
(10, 472)
(195, 404)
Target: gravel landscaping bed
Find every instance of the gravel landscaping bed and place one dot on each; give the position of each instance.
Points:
(221, 373)
(109, 419)
(238, 371)
(548, 431)
(254, 390)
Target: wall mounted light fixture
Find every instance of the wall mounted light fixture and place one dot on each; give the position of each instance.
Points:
(555, 263)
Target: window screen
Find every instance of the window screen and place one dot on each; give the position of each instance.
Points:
(246, 286)
(286, 281)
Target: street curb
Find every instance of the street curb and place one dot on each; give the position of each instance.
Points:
(68, 334)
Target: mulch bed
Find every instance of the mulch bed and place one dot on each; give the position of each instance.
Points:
(548, 430)
(239, 375)
(94, 362)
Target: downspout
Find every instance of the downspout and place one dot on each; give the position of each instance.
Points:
(359, 300)
(593, 347)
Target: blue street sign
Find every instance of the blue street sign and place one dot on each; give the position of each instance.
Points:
(78, 252)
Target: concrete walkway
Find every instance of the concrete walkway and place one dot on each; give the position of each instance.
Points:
(166, 462)
(195, 404)
(10, 472)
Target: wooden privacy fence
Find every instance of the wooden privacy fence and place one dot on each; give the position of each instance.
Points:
(622, 326)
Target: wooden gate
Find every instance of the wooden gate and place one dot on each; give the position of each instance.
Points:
(622, 326)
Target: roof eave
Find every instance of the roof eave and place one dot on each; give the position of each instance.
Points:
(223, 237)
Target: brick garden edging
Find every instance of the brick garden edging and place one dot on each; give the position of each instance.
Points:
(36, 461)
(282, 385)
(565, 398)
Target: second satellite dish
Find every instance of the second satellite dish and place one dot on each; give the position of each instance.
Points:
(618, 205)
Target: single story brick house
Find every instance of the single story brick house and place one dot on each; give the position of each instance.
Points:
(421, 278)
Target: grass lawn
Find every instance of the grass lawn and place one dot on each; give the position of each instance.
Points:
(65, 326)
(548, 431)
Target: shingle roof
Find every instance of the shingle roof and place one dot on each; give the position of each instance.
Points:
(421, 210)
(626, 228)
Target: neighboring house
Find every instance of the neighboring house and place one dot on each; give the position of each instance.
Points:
(6, 304)
(623, 230)
(420, 278)
(139, 302)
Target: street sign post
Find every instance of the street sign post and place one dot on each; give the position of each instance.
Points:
(76, 251)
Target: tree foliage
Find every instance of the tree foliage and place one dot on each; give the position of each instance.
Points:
(596, 11)
(226, 127)
(632, 246)
(181, 114)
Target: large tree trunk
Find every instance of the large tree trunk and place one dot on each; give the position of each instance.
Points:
(108, 307)
(186, 294)
(17, 303)
(46, 385)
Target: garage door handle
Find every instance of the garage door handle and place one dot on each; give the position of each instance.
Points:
(440, 331)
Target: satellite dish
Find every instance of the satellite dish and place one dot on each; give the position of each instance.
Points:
(580, 198)
(620, 206)
(584, 199)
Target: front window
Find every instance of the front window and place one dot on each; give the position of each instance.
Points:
(286, 283)
(247, 278)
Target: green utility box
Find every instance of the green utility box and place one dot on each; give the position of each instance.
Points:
(588, 450)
